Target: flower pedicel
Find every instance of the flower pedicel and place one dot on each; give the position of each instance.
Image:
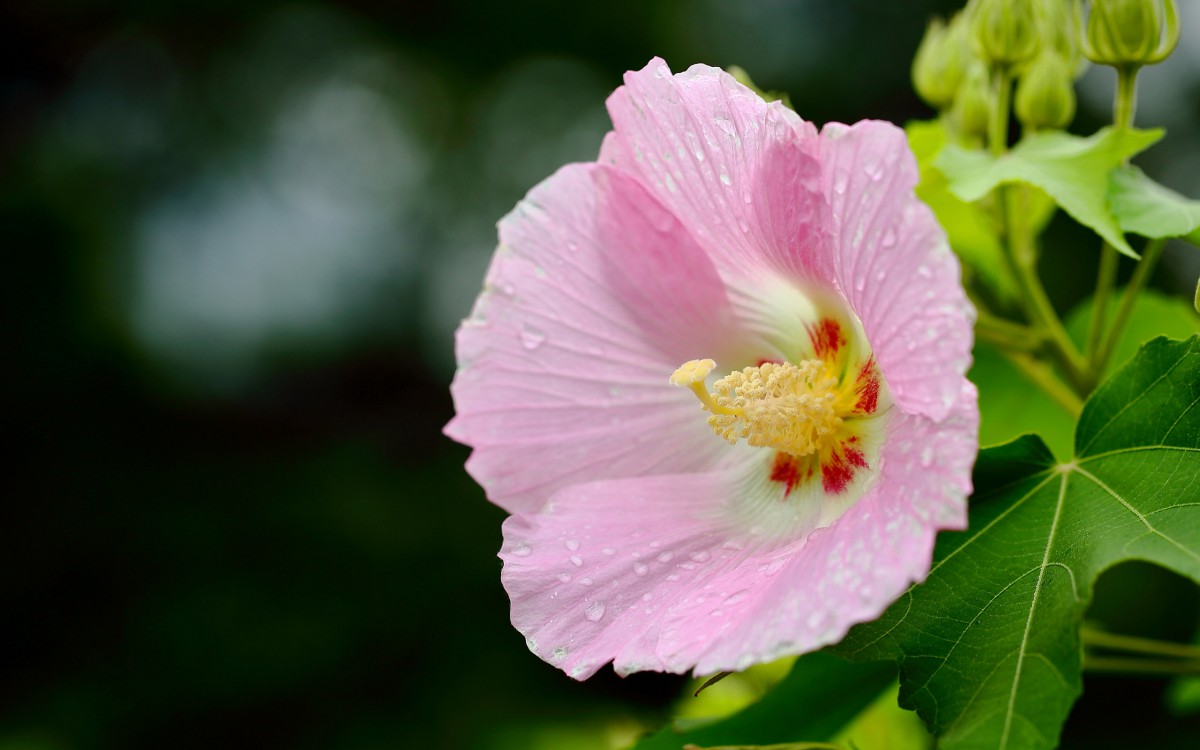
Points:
(718, 379)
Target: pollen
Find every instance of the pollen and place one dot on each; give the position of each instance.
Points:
(794, 408)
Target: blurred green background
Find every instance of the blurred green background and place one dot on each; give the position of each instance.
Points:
(239, 236)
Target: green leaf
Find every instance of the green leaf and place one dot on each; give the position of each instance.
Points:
(1142, 206)
(1073, 171)
(968, 227)
(988, 646)
(820, 696)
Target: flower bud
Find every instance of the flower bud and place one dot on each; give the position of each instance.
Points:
(1045, 93)
(941, 61)
(1005, 32)
(973, 102)
(1060, 29)
(1131, 33)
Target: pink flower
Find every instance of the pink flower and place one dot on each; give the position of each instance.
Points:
(793, 283)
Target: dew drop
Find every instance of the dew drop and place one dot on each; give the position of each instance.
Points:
(924, 272)
(927, 456)
(725, 178)
(839, 183)
(666, 557)
(577, 561)
(594, 611)
(700, 556)
(572, 544)
(735, 598)
(673, 577)
(521, 549)
(564, 578)
(609, 551)
(889, 237)
(531, 338)
(716, 613)
(640, 569)
(586, 581)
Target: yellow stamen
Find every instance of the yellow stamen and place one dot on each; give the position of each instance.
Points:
(792, 408)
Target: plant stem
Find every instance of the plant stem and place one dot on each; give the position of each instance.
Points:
(1133, 644)
(998, 122)
(1141, 274)
(1106, 279)
(1006, 334)
(1021, 256)
(1140, 666)
(1125, 103)
(1040, 374)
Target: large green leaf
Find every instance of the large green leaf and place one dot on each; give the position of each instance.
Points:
(1073, 171)
(818, 698)
(1142, 206)
(988, 646)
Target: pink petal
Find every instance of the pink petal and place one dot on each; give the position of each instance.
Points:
(741, 174)
(666, 574)
(594, 297)
(892, 263)
(849, 572)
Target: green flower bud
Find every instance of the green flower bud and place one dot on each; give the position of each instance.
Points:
(1131, 33)
(973, 102)
(1005, 32)
(1060, 28)
(1045, 93)
(941, 62)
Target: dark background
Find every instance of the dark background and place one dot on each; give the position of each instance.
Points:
(237, 239)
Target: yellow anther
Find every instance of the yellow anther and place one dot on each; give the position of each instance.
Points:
(792, 408)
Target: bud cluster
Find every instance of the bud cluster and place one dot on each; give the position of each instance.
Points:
(1044, 45)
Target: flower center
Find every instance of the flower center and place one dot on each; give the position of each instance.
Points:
(796, 409)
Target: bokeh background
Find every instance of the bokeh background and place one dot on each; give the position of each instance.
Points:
(238, 237)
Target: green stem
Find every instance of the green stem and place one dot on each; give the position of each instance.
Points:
(1125, 104)
(998, 121)
(1021, 256)
(1140, 666)
(1103, 639)
(1106, 279)
(1141, 274)
(786, 746)
(1040, 374)
(1006, 334)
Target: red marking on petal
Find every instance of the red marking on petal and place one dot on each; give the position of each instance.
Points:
(836, 475)
(855, 457)
(838, 472)
(762, 362)
(867, 385)
(826, 337)
(786, 470)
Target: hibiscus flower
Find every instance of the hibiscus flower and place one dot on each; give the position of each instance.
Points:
(718, 379)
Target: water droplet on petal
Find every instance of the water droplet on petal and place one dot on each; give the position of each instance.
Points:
(666, 557)
(924, 272)
(725, 178)
(640, 569)
(927, 456)
(576, 560)
(889, 237)
(564, 578)
(572, 544)
(586, 581)
(521, 549)
(700, 556)
(531, 338)
(594, 611)
(609, 551)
